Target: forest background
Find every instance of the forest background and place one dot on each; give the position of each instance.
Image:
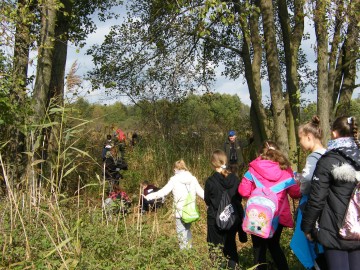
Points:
(163, 57)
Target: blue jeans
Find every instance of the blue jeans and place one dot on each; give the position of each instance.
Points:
(183, 233)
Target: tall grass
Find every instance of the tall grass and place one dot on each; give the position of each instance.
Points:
(60, 222)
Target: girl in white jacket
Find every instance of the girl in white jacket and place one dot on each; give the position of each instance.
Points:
(180, 185)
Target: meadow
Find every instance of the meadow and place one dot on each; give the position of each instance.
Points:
(47, 228)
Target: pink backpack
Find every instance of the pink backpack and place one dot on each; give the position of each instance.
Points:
(350, 229)
(261, 212)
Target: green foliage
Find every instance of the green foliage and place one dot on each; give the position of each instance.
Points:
(191, 129)
(73, 234)
(7, 106)
(66, 232)
(59, 238)
(355, 109)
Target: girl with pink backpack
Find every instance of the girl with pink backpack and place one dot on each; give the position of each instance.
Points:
(270, 168)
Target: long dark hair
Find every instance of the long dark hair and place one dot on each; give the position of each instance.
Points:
(346, 127)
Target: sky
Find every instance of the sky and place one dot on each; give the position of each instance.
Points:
(222, 84)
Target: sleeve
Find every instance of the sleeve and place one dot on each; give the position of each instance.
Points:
(319, 191)
(207, 192)
(199, 190)
(246, 186)
(240, 208)
(162, 192)
(307, 173)
(294, 191)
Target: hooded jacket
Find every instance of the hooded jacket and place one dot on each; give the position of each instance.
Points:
(180, 185)
(214, 187)
(334, 179)
(269, 173)
(234, 152)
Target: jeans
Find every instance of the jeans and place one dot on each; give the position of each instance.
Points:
(183, 233)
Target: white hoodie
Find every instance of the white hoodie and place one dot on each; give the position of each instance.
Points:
(180, 184)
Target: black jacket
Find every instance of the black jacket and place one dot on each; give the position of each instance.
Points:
(332, 184)
(234, 152)
(214, 187)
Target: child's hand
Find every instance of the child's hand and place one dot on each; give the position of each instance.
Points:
(297, 177)
(309, 237)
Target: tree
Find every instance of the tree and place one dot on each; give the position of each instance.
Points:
(210, 33)
(336, 76)
(273, 68)
(56, 27)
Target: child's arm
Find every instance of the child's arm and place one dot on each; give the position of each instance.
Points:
(245, 188)
(199, 190)
(162, 192)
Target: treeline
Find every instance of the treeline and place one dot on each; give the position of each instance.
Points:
(188, 128)
(214, 113)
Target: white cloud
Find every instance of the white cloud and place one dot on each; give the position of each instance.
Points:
(233, 87)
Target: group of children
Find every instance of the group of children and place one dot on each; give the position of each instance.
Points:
(324, 187)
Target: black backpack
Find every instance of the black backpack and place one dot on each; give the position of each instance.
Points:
(226, 215)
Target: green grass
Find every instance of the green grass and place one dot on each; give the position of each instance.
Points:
(74, 234)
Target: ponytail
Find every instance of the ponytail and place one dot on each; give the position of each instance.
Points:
(353, 127)
(219, 160)
(346, 127)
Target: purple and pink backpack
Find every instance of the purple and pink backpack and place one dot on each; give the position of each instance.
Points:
(262, 210)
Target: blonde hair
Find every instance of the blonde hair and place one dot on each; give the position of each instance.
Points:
(218, 160)
(270, 151)
(180, 165)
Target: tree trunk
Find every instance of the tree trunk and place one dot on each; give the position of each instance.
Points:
(21, 51)
(53, 138)
(253, 74)
(41, 93)
(334, 57)
(348, 61)
(323, 98)
(273, 68)
(18, 91)
(292, 41)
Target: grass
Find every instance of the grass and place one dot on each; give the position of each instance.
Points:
(72, 233)
(60, 222)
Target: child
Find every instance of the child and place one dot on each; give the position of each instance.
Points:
(117, 201)
(270, 168)
(333, 182)
(222, 179)
(180, 185)
(107, 146)
(146, 205)
(310, 135)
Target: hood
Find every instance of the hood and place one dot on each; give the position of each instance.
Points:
(348, 172)
(184, 177)
(225, 182)
(268, 169)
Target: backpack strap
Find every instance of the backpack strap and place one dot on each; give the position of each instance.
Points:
(252, 178)
(284, 184)
(186, 185)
